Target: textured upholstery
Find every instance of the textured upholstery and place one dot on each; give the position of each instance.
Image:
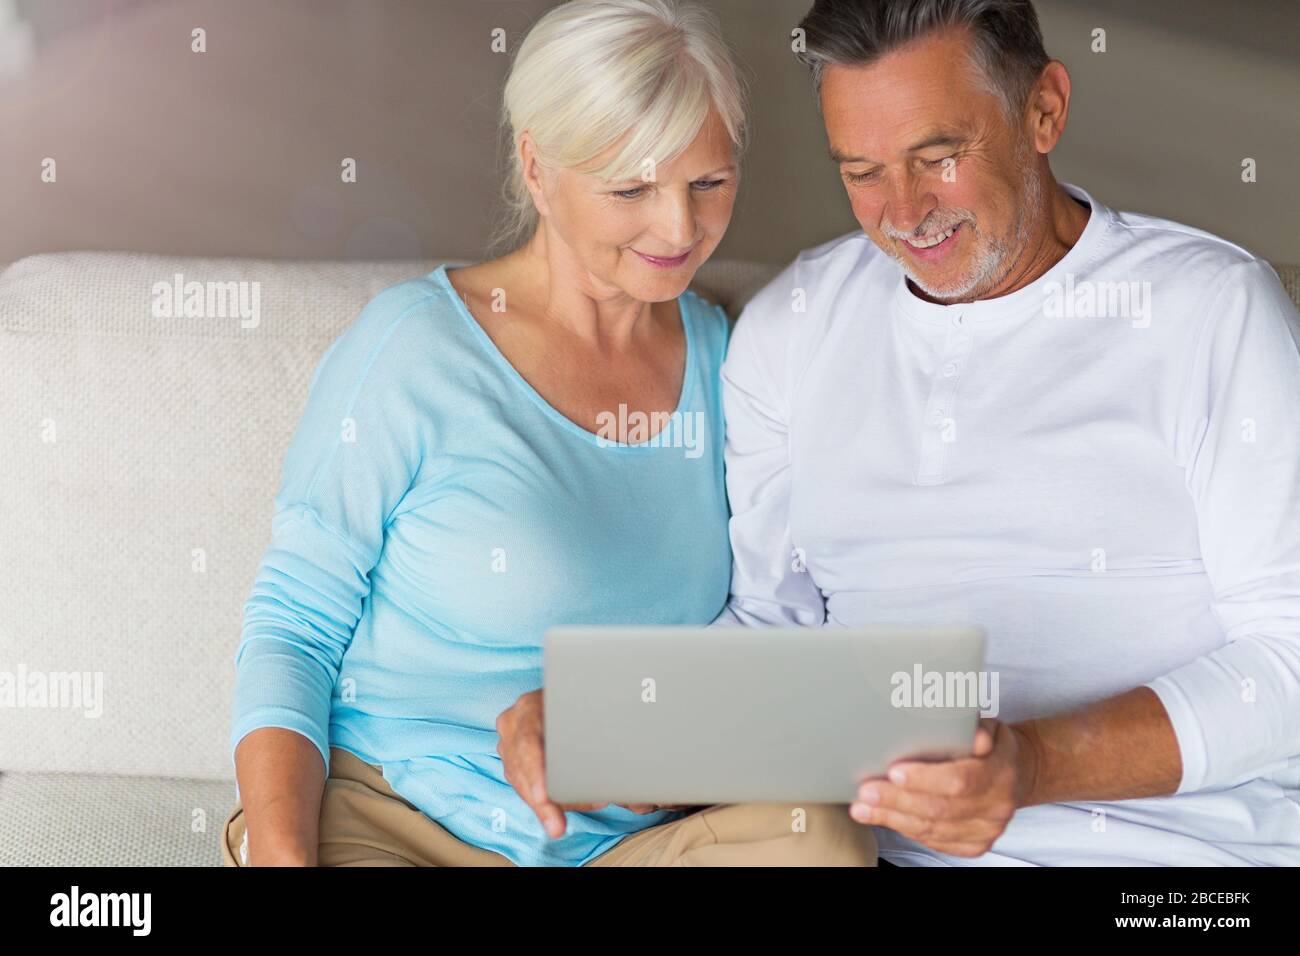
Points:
(140, 459)
(73, 819)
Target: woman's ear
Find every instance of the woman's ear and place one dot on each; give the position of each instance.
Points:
(534, 172)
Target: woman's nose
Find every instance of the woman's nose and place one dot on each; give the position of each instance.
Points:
(677, 225)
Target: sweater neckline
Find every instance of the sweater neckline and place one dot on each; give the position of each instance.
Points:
(665, 436)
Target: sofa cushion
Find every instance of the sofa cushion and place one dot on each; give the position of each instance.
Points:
(65, 819)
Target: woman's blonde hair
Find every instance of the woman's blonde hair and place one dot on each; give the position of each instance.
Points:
(592, 71)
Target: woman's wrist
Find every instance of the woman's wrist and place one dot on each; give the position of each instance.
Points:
(280, 853)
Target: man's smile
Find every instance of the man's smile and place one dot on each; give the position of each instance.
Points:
(935, 246)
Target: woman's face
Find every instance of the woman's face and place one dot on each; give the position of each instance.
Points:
(647, 236)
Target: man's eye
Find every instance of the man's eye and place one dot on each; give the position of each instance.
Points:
(629, 193)
(860, 177)
(935, 163)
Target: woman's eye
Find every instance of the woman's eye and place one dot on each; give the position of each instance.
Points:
(707, 184)
(629, 193)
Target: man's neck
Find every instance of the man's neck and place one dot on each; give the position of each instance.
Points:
(1058, 228)
(1056, 234)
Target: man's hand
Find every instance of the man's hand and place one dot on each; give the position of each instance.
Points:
(956, 806)
(523, 760)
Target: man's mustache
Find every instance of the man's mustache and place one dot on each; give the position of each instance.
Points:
(937, 222)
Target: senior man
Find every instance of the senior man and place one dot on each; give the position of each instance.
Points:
(1004, 403)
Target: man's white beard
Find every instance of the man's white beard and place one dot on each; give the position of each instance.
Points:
(995, 258)
(982, 276)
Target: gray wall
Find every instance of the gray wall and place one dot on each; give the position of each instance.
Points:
(236, 152)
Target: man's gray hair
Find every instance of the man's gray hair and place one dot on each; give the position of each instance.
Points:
(1007, 44)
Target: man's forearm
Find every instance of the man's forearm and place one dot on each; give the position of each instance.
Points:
(1119, 748)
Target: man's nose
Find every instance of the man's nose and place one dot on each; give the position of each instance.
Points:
(909, 203)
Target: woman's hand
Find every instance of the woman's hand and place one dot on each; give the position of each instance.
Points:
(523, 760)
(653, 807)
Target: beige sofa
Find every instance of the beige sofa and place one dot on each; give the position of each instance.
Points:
(139, 456)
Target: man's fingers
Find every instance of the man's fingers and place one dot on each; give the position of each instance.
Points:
(903, 823)
(932, 833)
(912, 802)
(946, 778)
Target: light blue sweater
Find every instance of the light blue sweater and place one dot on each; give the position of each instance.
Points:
(436, 516)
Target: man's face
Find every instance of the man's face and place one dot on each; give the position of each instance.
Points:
(938, 176)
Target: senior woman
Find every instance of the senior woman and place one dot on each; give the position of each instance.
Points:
(464, 477)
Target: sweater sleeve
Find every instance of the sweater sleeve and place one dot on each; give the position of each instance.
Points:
(1236, 711)
(770, 584)
(352, 458)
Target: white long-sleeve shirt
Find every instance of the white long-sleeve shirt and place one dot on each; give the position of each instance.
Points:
(1101, 468)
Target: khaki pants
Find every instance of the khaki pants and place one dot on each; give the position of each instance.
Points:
(364, 823)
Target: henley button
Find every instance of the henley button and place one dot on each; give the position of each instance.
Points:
(950, 370)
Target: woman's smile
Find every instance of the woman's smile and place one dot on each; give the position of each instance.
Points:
(659, 262)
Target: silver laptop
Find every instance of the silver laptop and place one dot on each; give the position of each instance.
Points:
(680, 715)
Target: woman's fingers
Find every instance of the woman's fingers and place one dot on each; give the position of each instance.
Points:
(523, 760)
(530, 783)
(655, 807)
(531, 768)
(519, 732)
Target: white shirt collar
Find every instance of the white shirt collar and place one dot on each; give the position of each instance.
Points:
(1022, 300)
